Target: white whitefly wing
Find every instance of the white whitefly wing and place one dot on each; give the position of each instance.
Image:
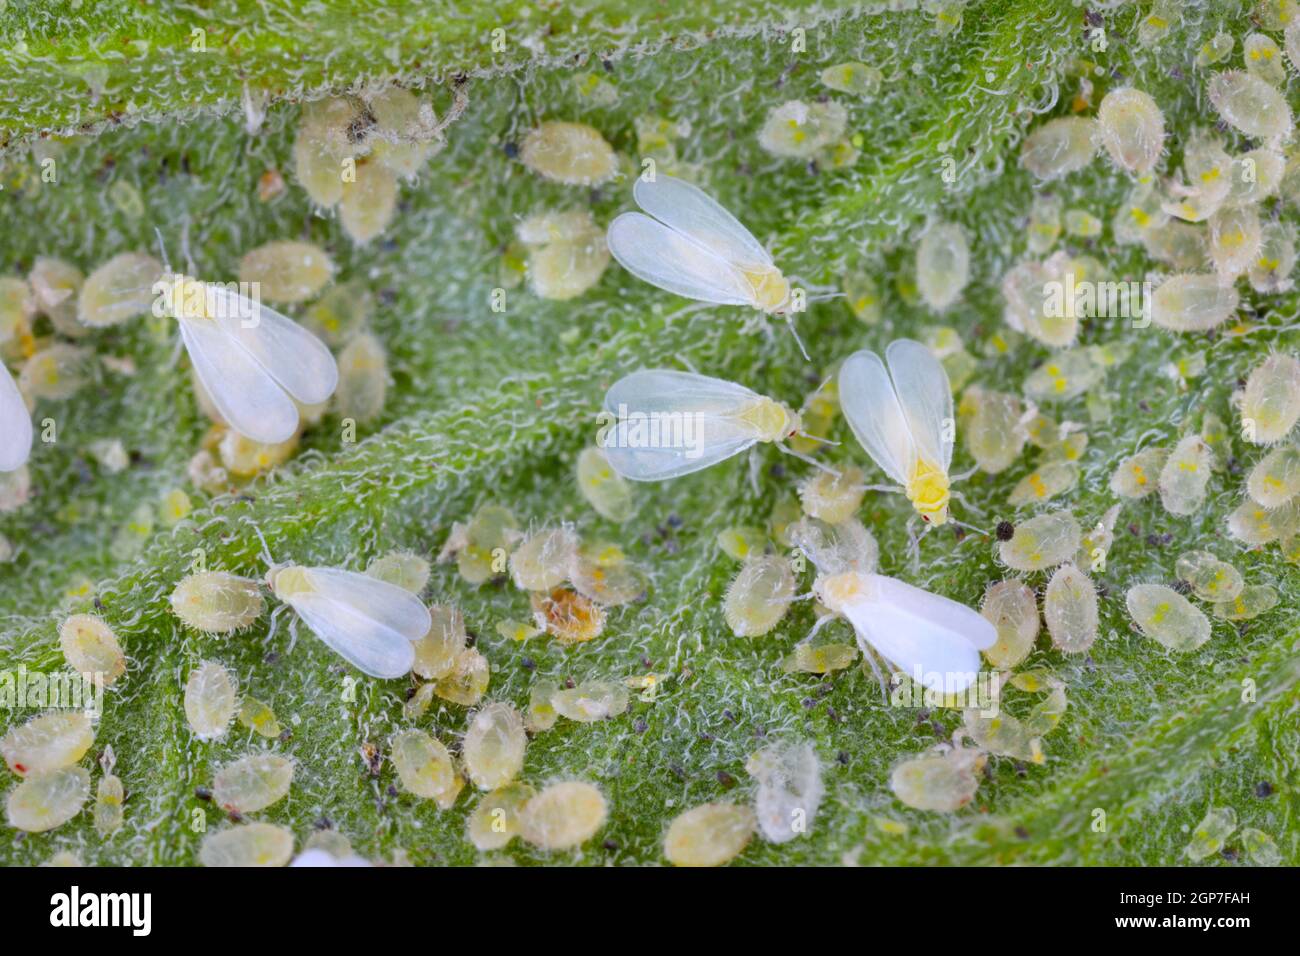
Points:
(246, 395)
(296, 359)
(872, 409)
(15, 425)
(670, 260)
(369, 646)
(925, 397)
(388, 605)
(691, 211)
(921, 632)
(713, 407)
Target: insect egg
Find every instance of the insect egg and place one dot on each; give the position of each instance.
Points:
(570, 153)
(1185, 476)
(1270, 405)
(211, 699)
(942, 265)
(90, 647)
(759, 595)
(247, 844)
(1059, 146)
(1251, 105)
(120, 289)
(712, 834)
(1132, 129)
(47, 742)
(252, 783)
(494, 746)
(286, 271)
(216, 602)
(563, 815)
(1070, 609)
(1275, 480)
(48, 799)
(1164, 615)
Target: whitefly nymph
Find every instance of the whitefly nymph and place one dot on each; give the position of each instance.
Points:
(371, 624)
(659, 423)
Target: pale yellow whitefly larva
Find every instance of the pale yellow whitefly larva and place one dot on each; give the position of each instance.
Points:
(860, 79)
(252, 783)
(563, 815)
(286, 270)
(608, 492)
(406, 131)
(1139, 213)
(943, 780)
(591, 701)
(321, 146)
(259, 718)
(90, 647)
(1210, 579)
(1165, 616)
(424, 766)
(363, 379)
(798, 130)
(467, 681)
(1044, 223)
(712, 834)
(991, 428)
(1235, 240)
(1254, 600)
(572, 153)
(247, 844)
(1270, 273)
(1275, 479)
(1066, 375)
(47, 742)
(942, 264)
(1042, 542)
(120, 289)
(437, 652)
(609, 583)
(567, 253)
(541, 714)
(493, 749)
(369, 201)
(1070, 609)
(1256, 175)
(55, 287)
(1192, 303)
(211, 699)
(833, 496)
(1132, 129)
(1260, 847)
(1251, 105)
(47, 800)
(1010, 606)
(217, 602)
(1043, 483)
(1179, 245)
(109, 797)
(1212, 833)
(405, 569)
(544, 558)
(1263, 59)
(568, 616)
(1185, 476)
(1059, 146)
(1270, 403)
(760, 595)
(1253, 524)
(1082, 224)
(819, 658)
(1139, 474)
(56, 372)
(496, 819)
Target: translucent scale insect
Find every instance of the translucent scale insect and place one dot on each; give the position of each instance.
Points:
(902, 415)
(660, 424)
(690, 245)
(15, 425)
(932, 639)
(253, 361)
(371, 624)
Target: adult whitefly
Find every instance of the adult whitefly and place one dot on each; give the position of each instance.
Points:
(1132, 129)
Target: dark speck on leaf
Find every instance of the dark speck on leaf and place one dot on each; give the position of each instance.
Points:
(470, 638)
(1181, 586)
(959, 532)
(324, 823)
(726, 779)
(272, 657)
(809, 703)
(286, 735)
(640, 726)
(1005, 530)
(392, 790)
(1022, 833)
(728, 715)
(1134, 530)
(1230, 853)
(568, 683)
(843, 758)
(1144, 406)
(202, 793)
(1263, 790)
(678, 772)
(777, 471)
(674, 521)
(410, 692)
(610, 845)
(510, 149)
(528, 663)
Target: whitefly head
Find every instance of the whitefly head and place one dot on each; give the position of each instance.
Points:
(838, 591)
(774, 420)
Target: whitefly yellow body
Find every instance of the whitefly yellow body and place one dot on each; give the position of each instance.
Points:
(15, 424)
(690, 245)
(659, 424)
(900, 409)
(370, 623)
(253, 361)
